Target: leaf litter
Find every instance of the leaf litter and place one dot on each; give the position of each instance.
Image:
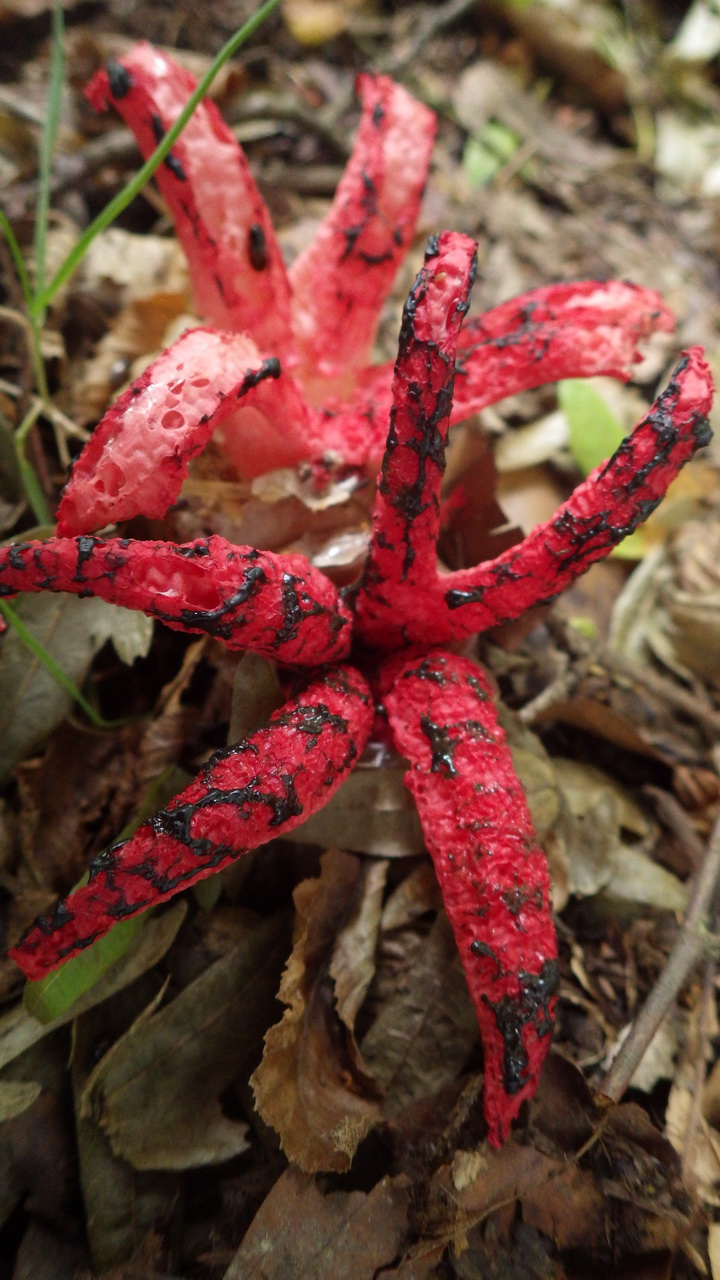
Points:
(380, 1027)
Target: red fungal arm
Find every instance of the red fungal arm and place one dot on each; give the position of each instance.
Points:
(603, 510)
(137, 457)
(342, 279)
(243, 797)
(402, 555)
(561, 331)
(493, 877)
(276, 605)
(237, 271)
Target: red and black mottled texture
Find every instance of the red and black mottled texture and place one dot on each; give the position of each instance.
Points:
(275, 605)
(616, 497)
(402, 556)
(238, 275)
(493, 876)
(559, 331)
(243, 797)
(341, 280)
(402, 598)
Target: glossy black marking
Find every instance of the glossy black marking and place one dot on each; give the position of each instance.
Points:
(85, 548)
(257, 247)
(292, 613)
(455, 599)
(16, 555)
(216, 621)
(157, 127)
(311, 718)
(432, 249)
(431, 670)
(442, 747)
(483, 949)
(368, 205)
(515, 900)
(269, 368)
(512, 1013)
(174, 164)
(378, 115)
(119, 79)
(480, 693)
(376, 259)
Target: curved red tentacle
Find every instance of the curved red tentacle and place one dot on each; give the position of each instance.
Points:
(394, 609)
(137, 457)
(559, 331)
(243, 797)
(342, 279)
(603, 510)
(238, 275)
(275, 605)
(493, 876)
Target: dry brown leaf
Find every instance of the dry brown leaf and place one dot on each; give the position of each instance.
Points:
(312, 1085)
(372, 812)
(417, 895)
(156, 1091)
(424, 1032)
(302, 1233)
(353, 961)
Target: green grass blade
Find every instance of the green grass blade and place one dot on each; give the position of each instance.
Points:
(53, 995)
(47, 148)
(18, 261)
(40, 652)
(30, 482)
(123, 198)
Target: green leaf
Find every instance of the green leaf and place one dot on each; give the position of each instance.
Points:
(51, 996)
(487, 152)
(595, 432)
(32, 701)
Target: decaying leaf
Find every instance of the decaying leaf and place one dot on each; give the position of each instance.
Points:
(16, 1096)
(341, 1235)
(312, 1085)
(156, 1092)
(423, 1033)
(32, 702)
(373, 812)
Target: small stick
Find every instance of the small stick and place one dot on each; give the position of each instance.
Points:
(692, 943)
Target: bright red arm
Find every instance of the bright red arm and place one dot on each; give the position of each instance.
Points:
(243, 797)
(494, 878)
(275, 605)
(238, 275)
(342, 279)
(560, 331)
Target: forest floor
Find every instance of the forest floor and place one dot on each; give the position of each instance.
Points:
(575, 141)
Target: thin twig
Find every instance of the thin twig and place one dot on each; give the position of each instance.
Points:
(674, 817)
(692, 1129)
(692, 943)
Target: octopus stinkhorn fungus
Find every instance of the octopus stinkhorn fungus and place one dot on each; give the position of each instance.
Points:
(283, 375)
(385, 645)
(493, 876)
